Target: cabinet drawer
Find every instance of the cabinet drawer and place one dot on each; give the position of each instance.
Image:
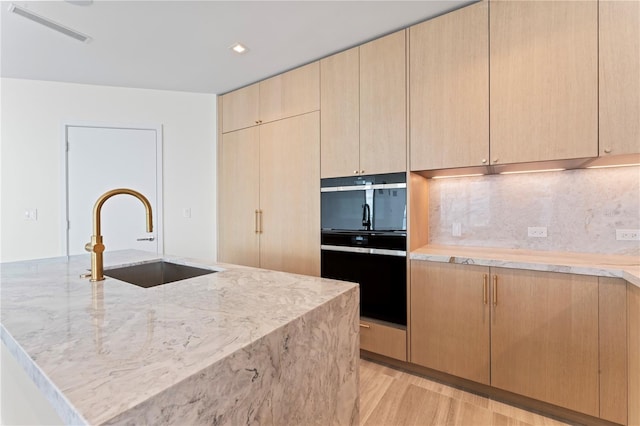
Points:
(383, 339)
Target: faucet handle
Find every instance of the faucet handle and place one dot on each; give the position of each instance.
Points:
(92, 247)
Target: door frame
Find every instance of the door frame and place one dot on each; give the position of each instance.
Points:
(158, 216)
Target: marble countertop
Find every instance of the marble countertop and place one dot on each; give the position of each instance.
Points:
(98, 349)
(626, 267)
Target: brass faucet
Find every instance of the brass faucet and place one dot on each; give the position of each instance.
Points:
(95, 246)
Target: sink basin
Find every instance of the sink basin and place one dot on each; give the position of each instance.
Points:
(155, 273)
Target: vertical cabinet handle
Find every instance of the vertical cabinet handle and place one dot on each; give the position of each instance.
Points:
(260, 222)
(495, 290)
(485, 297)
(256, 222)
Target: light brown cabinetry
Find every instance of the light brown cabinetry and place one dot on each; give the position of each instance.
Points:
(619, 65)
(383, 105)
(543, 80)
(363, 97)
(290, 195)
(612, 323)
(383, 339)
(291, 93)
(286, 95)
(559, 338)
(450, 319)
(269, 195)
(340, 117)
(240, 108)
(544, 337)
(633, 352)
(449, 90)
(238, 238)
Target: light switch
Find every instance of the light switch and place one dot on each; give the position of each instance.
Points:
(186, 212)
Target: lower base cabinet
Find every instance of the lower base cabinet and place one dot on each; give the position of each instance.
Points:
(544, 337)
(450, 319)
(633, 352)
(383, 339)
(568, 340)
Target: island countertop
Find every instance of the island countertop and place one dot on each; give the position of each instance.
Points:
(98, 350)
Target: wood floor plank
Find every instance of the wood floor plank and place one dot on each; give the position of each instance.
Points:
(390, 397)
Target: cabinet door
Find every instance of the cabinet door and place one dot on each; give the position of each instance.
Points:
(240, 108)
(633, 352)
(291, 93)
(290, 194)
(619, 57)
(238, 240)
(450, 319)
(449, 90)
(543, 80)
(544, 337)
(383, 123)
(340, 118)
(612, 322)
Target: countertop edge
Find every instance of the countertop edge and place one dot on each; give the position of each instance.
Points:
(491, 257)
(50, 391)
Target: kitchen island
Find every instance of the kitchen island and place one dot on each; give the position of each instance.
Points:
(239, 346)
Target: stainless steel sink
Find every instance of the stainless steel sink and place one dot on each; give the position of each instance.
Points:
(155, 273)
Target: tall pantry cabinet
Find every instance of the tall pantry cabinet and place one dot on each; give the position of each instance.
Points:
(269, 212)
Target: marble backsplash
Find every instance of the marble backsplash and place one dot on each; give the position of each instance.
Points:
(580, 208)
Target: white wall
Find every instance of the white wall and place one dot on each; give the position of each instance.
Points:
(31, 177)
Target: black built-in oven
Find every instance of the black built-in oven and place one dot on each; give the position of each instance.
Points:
(364, 233)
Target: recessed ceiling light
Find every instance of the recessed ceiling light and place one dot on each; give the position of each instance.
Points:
(239, 48)
(25, 13)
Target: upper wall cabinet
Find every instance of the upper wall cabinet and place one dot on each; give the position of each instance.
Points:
(363, 97)
(383, 105)
(292, 93)
(340, 118)
(619, 77)
(286, 95)
(543, 80)
(449, 90)
(240, 108)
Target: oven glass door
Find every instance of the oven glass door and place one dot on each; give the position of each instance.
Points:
(382, 279)
(342, 210)
(389, 209)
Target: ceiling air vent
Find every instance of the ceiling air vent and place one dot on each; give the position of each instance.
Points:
(49, 23)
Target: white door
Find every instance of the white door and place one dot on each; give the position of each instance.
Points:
(100, 159)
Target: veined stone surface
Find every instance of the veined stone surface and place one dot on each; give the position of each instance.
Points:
(242, 345)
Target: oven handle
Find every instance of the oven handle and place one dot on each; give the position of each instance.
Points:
(365, 250)
(363, 187)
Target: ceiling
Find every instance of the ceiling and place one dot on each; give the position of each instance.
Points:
(184, 45)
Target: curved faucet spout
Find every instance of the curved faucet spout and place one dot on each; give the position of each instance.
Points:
(95, 246)
(104, 197)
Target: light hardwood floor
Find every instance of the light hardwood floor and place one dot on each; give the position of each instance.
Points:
(392, 397)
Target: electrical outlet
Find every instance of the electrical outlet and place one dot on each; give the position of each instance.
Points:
(537, 231)
(628, 234)
(30, 214)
